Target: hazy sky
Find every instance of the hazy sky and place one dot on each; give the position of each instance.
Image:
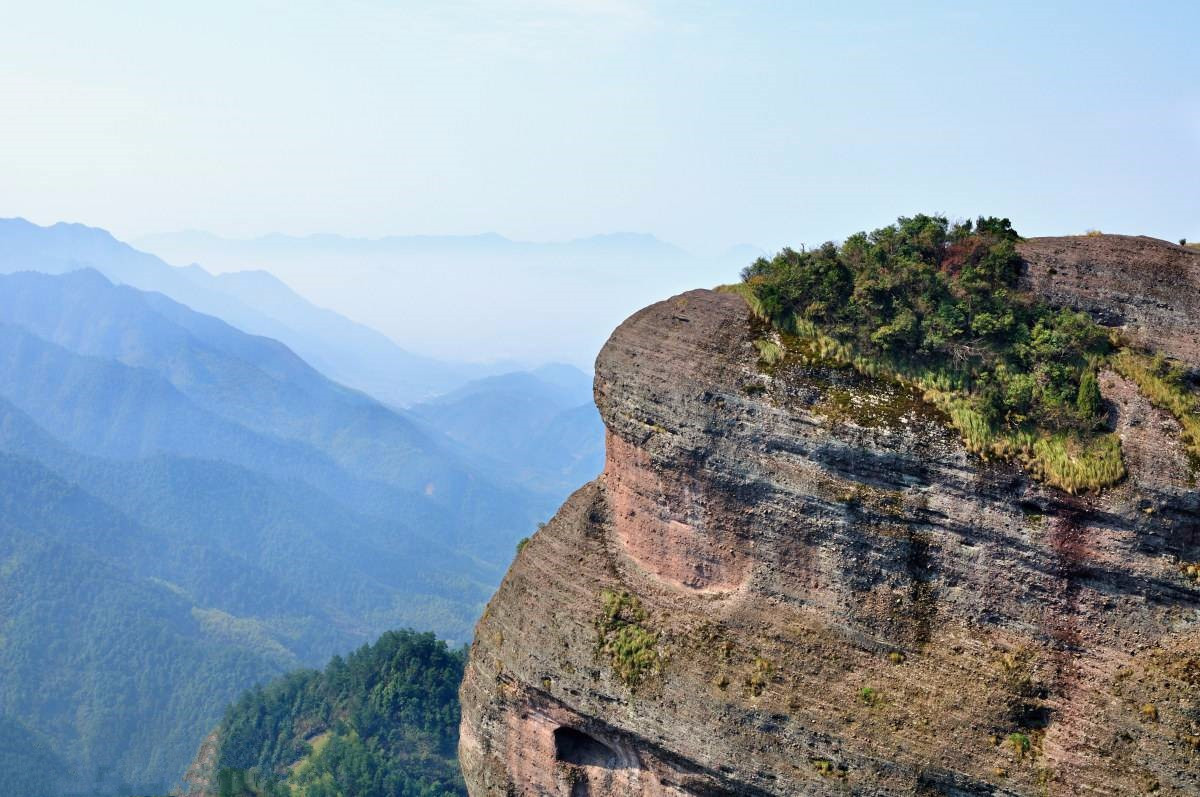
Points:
(708, 124)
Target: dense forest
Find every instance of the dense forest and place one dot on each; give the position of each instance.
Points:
(381, 722)
(141, 663)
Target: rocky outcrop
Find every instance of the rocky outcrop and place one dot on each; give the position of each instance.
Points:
(799, 582)
(200, 779)
(1149, 288)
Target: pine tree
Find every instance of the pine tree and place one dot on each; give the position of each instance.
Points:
(1087, 402)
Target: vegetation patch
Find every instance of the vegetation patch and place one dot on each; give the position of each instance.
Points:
(631, 647)
(827, 768)
(879, 406)
(1020, 743)
(1165, 385)
(769, 352)
(759, 677)
(381, 721)
(938, 307)
(870, 696)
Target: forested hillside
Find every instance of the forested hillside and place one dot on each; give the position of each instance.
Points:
(189, 510)
(111, 670)
(382, 722)
(29, 765)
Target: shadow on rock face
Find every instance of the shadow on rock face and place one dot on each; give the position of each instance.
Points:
(576, 747)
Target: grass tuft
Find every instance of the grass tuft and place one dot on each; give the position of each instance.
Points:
(631, 648)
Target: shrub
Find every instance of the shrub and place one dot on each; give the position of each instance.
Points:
(759, 677)
(769, 352)
(1020, 743)
(1087, 400)
(631, 648)
(938, 306)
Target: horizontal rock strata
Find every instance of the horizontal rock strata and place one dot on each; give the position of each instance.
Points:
(798, 582)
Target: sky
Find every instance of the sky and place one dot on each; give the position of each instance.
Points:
(708, 124)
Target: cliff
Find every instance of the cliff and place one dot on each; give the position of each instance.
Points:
(799, 582)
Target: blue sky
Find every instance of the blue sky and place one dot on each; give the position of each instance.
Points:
(708, 124)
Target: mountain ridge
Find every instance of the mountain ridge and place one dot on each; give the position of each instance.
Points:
(445, 289)
(260, 304)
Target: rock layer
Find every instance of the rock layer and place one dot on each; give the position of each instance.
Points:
(1149, 288)
(799, 582)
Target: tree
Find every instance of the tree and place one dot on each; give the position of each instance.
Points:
(1088, 402)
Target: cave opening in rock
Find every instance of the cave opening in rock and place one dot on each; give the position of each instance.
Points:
(572, 746)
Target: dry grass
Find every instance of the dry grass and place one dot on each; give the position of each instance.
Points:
(1065, 461)
(1164, 390)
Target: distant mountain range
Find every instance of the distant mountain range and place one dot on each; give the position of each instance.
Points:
(542, 425)
(476, 296)
(187, 509)
(253, 301)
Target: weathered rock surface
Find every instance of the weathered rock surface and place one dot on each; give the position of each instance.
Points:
(839, 599)
(1151, 288)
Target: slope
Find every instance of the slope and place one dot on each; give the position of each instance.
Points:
(383, 722)
(255, 302)
(167, 379)
(253, 547)
(541, 426)
(142, 664)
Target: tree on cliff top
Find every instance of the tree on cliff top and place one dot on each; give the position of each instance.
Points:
(941, 305)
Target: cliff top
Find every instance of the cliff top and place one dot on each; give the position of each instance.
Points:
(1007, 337)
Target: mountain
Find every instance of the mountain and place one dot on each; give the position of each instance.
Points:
(115, 673)
(382, 722)
(476, 297)
(253, 301)
(540, 427)
(235, 540)
(120, 373)
(347, 352)
(189, 509)
(797, 574)
(29, 764)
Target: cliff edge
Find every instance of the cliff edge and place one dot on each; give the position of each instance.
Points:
(800, 582)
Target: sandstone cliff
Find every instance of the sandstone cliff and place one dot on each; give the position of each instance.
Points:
(800, 582)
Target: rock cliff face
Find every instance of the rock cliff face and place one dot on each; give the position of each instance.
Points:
(800, 583)
(1147, 287)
